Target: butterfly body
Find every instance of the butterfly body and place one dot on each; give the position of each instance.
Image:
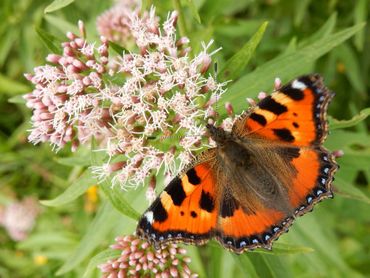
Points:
(245, 192)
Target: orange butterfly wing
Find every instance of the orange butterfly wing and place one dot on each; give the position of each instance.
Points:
(186, 210)
(296, 114)
(293, 120)
(239, 229)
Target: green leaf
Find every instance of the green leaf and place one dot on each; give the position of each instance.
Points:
(61, 24)
(336, 124)
(350, 191)
(300, 11)
(245, 265)
(49, 40)
(236, 64)
(12, 87)
(194, 10)
(352, 68)
(325, 30)
(100, 258)
(286, 67)
(280, 248)
(103, 223)
(117, 48)
(311, 228)
(6, 43)
(215, 253)
(268, 266)
(115, 195)
(360, 15)
(46, 240)
(145, 5)
(17, 99)
(75, 190)
(74, 161)
(57, 5)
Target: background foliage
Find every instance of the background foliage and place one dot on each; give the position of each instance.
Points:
(77, 223)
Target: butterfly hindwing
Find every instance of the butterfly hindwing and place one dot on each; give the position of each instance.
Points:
(242, 226)
(186, 209)
(295, 114)
(315, 168)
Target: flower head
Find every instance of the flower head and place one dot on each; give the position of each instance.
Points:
(139, 259)
(64, 102)
(18, 218)
(135, 104)
(114, 23)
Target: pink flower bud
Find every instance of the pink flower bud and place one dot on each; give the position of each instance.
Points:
(251, 101)
(68, 51)
(70, 36)
(229, 108)
(81, 27)
(277, 83)
(338, 153)
(261, 95)
(53, 58)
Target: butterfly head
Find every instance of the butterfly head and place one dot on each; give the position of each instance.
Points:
(219, 135)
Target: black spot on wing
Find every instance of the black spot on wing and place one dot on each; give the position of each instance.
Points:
(269, 104)
(193, 214)
(288, 153)
(284, 134)
(258, 118)
(206, 201)
(295, 94)
(310, 80)
(159, 212)
(296, 125)
(176, 191)
(228, 206)
(193, 177)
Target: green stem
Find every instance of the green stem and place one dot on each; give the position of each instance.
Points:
(181, 20)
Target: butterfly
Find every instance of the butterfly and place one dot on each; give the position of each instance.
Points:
(245, 192)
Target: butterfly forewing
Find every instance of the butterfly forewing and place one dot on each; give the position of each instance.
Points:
(187, 209)
(295, 114)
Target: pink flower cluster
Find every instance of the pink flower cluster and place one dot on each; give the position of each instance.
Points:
(148, 108)
(65, 102)
(18, 218)
(114, 24)
(139, 259)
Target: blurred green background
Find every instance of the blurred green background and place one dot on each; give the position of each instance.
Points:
(302, 36)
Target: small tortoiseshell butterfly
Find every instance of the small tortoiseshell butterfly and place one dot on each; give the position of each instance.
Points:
(246, 192)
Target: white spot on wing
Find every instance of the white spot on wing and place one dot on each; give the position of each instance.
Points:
(298, 85)
(149, 217)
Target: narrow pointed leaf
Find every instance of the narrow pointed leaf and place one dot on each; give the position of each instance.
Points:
(74, 161)
(12, 87)
(49, 40)
(115, 195)
(350, 191)
(237, 63)
(75, 190)
(286, 67)
(194, 10)
(100, 258)
(97, 232)
(57, 5)
(336, 124)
